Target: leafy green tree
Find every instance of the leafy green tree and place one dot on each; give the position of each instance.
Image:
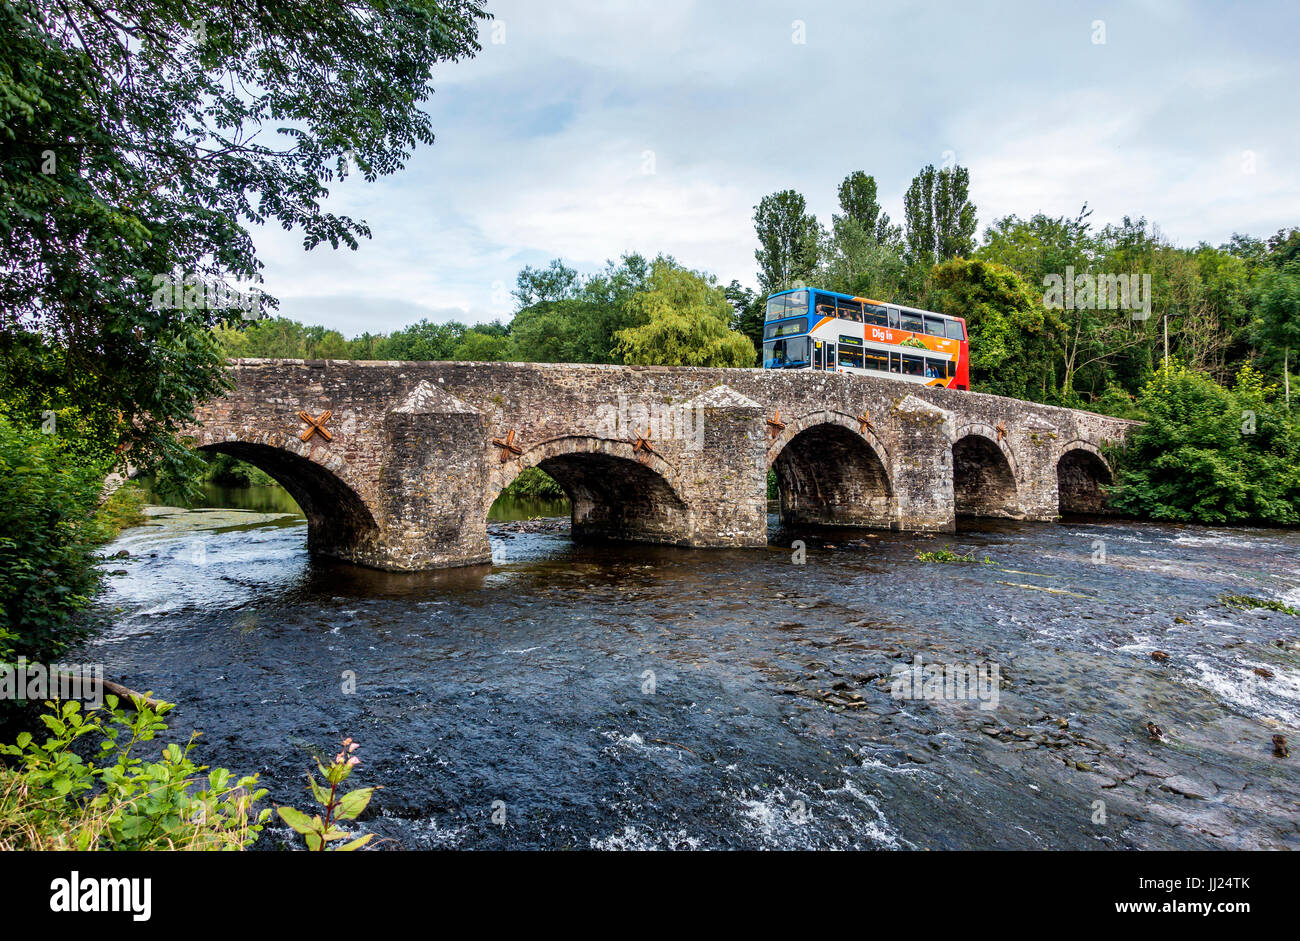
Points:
(682, 320)
(858, 202)
(940, 216)
(749, 313)
(422, 341)
(788, 241)
(855, 261)
(48, 538)
(1278, 300)
(1011, 334)
(549, 332)
(478, 346)
(140, 142)
(557, 282)
(1210, 454)
(1284, 247)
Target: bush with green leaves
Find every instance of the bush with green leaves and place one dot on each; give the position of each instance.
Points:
(533, 483)
(48, 536)
(1211, 454)
(52, 797)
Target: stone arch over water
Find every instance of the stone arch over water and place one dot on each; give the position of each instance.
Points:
(1081, 476)
(984, 474)
(340, 524)
(617, 492)
(831, 470)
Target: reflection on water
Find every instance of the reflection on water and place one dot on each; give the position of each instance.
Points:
(268, 499)
(624, 696)
(512, 509)
(275, 499)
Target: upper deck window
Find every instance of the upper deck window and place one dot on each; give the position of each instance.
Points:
(794, 304)
(934, 326)
(954, 330)
(825, 305)
(912, 322)
(875, 314)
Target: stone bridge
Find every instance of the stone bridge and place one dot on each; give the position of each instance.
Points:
(401, 473)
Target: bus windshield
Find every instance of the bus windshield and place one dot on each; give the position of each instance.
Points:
(792, 351)
(787, 305)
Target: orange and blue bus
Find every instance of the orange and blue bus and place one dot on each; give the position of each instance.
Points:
(807, 328)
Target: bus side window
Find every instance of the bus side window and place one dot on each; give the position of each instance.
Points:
(934, 326)
(953, 329)
(895, 362)
(893, 317)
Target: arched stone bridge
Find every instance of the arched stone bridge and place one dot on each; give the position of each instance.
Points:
(402, 472)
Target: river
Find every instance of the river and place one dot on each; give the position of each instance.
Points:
(639, 697)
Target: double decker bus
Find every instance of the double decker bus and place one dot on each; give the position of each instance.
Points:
(807, 328)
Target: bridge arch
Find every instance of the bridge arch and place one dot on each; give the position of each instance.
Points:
(340, 523)
(832, 470)
(1081, 474)
(616, 491)
(984, 473)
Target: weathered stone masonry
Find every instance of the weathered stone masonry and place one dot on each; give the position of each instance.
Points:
(419, 451)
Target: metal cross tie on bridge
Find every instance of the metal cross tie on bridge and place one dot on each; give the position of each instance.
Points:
(1002, 431)
(508, 446)
(642, 444)
(316, 425)
(864, 422)
(774, 424)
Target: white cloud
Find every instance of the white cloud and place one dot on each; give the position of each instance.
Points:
(541, 139)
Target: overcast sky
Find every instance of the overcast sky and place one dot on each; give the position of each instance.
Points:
(589, 128)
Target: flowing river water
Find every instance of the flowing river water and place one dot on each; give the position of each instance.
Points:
(630, 696)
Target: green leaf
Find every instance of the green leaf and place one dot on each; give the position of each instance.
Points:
(353, 803)
(355, 844)
(297, 820)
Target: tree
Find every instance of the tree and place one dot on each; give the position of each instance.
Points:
(483, 346)
(749, 313)
(422, 341)
(557, 282)
(788, 241)
(140, 142)
(940, 218)
(1197, 459)
(1011, 335)
(857, 194)
(1278, 301)
(682, 320)
(855, 261)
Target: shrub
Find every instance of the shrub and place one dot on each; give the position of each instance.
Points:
(51, 798)
(533, 483)
(48, 537)
(1210, 454)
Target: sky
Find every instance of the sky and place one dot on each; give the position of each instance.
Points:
(586, 129)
